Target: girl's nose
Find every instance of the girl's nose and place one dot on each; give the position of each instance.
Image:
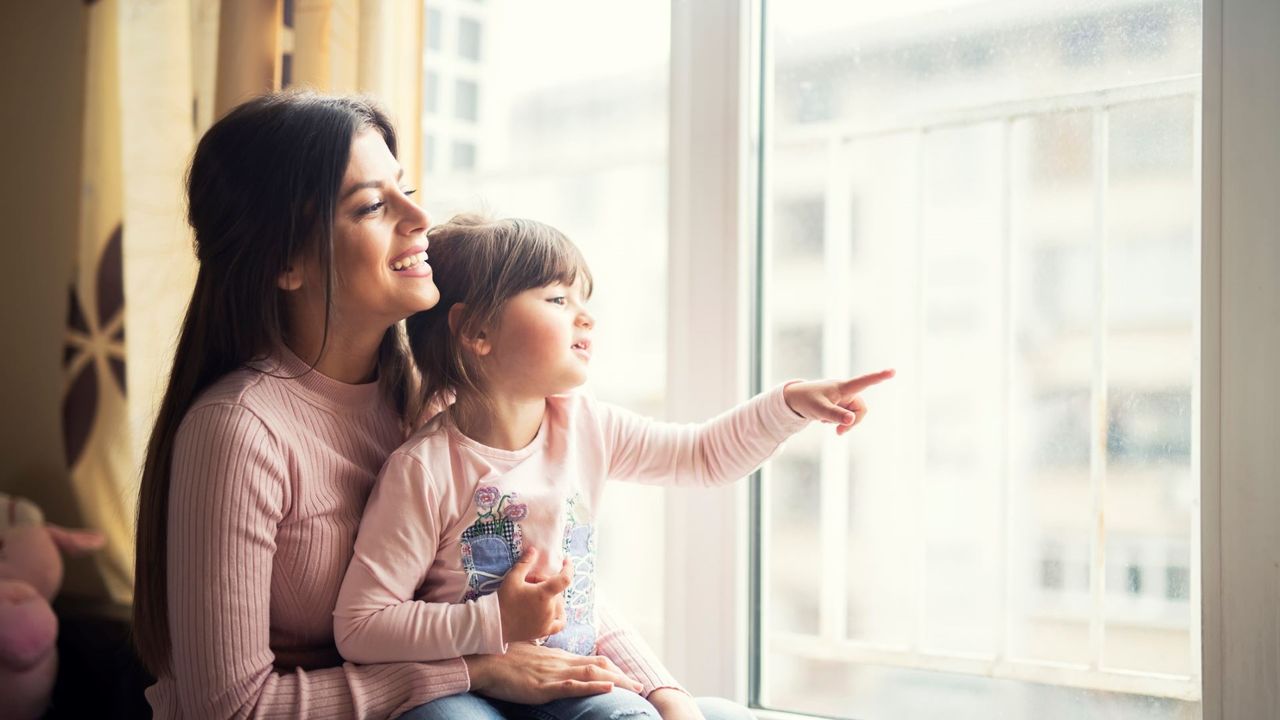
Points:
(585, 320)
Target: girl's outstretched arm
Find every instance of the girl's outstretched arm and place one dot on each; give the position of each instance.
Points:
(734, 443)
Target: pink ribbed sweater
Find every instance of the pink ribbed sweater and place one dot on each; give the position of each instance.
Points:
(269, 479)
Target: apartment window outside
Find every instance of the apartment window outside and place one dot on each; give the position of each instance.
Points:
(1014, 530)
(463, 158)
(466, 100)
(435, 29)
(469, 39)
(430, 92)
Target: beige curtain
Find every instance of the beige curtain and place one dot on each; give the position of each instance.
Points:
(158, 74)
(96, 437)
(372, 47)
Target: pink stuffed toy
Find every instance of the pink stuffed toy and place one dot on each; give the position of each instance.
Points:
(30, 575)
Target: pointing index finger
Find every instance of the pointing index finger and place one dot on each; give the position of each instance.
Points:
(859, 384)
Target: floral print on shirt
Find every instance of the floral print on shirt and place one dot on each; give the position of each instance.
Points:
(494, 542)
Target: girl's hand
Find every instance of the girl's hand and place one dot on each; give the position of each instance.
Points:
(532, 608)
(533, 674)
(673, 704)
(832, 401)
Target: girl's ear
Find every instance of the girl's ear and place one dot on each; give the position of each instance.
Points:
(471, 338)
(291, 278)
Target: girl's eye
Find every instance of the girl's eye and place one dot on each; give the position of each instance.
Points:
(559, 300)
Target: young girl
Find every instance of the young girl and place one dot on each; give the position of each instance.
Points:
(492, 503)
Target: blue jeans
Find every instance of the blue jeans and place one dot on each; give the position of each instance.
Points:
(616, 705)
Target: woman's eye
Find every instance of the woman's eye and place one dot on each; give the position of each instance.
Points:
(370, 209)
(409, 191)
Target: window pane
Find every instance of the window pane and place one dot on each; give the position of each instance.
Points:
(430, 92)
(1151, 333)
(435, 29)
(468, 39)
(1054, 303)
(464, 156)
(539, 133)
(466, 100)
(1000, 201)
(428, 153)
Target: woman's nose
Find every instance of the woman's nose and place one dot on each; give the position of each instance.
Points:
(415, 219)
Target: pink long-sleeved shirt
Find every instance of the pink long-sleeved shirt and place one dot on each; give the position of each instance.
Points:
(448, 516)
(270, 474)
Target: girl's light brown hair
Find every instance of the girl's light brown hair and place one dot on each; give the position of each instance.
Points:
(482, 263)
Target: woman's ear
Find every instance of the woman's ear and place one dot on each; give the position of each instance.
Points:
(471, 338)
(290, 278)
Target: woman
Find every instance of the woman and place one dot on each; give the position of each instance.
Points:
(291, 384)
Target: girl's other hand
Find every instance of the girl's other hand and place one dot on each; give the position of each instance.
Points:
(673, 704)
(833, 401)
(533, 674)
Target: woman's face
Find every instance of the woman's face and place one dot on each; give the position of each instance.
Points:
(379, 242)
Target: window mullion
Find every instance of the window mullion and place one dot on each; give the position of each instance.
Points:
(1098, 398)
(921, 465)
(834, 489)
(707, 360)
(1196, 388)
(1007, 479)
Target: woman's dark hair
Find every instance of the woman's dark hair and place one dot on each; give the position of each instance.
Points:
(262, 191)
(482, 263)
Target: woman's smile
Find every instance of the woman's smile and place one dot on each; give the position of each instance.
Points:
(412, 263)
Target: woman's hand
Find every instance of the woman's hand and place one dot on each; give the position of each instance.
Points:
(673, 704)
(833, 401)
(532, 675)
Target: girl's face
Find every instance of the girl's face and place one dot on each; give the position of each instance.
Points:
(379, 243)
(541, 344)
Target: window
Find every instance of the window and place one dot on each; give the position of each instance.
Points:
(469, 39)
(1133, 580)
(430, 92)
(1021, 504)
(581, 145)
(435, 29)
(464, 156)
(1051, 569)
(428, 153)
(466, 100)
(1177, 583)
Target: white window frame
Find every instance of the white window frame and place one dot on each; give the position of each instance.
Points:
(708, 365)
(712, 236)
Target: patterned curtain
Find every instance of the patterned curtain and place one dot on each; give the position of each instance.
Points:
(132, 244)
(94, 409)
